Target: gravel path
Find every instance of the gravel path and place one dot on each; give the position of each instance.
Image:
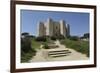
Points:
(74, 55)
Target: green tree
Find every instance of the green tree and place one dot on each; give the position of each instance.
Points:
(75, 38)
(86, 35)
(26, 49)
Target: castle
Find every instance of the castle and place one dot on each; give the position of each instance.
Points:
(53, 28)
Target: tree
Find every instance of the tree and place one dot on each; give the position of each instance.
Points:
(25, 34)
(86, 35)
(53, 38)
(75, 38)
(25, 45)
(26, 49)
(26, 42)
(41, 39)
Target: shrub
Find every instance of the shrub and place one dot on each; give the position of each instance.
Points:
(41, 39)
(53, 38)
(61, 37)
(75, 38)
(46, 46)
(26, 45)
(25, 57)
(57, 37)
(26, 49)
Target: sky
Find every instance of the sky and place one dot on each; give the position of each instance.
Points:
(79, 22)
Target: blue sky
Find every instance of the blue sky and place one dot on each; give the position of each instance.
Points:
(79, 22)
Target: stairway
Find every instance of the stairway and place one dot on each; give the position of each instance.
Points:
(58, 53)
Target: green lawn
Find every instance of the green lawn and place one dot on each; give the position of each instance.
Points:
(35, 44)
(80, 46)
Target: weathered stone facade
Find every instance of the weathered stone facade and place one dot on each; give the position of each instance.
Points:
(53, 28)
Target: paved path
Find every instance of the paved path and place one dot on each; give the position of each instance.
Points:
(74, 55)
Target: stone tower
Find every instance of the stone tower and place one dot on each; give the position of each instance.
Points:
(53, 28)
(49, 27)
(63, 28)
(41, 29)
(68, 30)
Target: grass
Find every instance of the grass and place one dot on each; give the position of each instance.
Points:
(80, 46)
(25, 57)
(35, 44)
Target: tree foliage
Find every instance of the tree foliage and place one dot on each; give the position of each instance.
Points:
(43, 39)
(75, 38)
(26, 49)
(46, 46)
(25, 34)
(86, 35)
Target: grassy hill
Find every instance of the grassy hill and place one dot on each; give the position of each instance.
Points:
(78, 45)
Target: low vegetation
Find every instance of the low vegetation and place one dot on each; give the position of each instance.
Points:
(78, 45)
(29, 44)
(45, 46)
(35, 44)
(27, 51)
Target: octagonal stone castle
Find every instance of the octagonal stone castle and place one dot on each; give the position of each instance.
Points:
(53, 28)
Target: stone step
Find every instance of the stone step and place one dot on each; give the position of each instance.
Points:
(56, 51)
(58, 55)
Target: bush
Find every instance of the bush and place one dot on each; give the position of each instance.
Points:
(27, 52)
(25, 57)
(46, 46)
(53, 38)
(41, 39)
(57, 37)
(74, 38)
(26, 45)
(61, 37)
